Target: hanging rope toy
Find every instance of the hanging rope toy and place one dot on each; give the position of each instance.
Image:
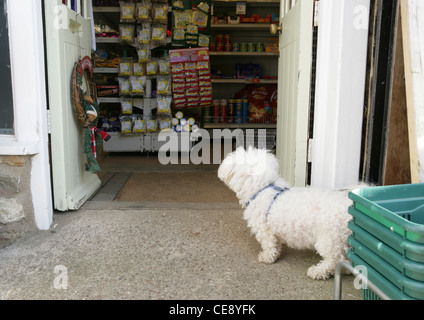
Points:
(87, 110)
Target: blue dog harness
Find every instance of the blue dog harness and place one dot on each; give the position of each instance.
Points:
(274, 187)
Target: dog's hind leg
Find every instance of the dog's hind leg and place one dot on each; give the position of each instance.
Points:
(331, 255)
(323, 270)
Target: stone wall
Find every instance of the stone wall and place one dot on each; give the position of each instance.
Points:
(16, 208)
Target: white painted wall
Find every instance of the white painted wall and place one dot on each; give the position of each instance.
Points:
(340, 87)
(29, 96)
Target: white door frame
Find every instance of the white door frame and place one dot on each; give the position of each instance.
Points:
(339, 94)
(25, 27)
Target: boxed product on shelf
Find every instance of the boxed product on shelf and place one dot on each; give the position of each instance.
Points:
(233, 19)
(249, 70)
(255, 18)
(107, 91)
(105, 59)
(110, 124)
(271, 45)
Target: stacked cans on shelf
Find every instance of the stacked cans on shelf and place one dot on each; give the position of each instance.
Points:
(230, 111)
(223, 43)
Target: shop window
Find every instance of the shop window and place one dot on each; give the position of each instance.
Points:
(6, 102)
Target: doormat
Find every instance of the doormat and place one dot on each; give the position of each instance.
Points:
(197, 187)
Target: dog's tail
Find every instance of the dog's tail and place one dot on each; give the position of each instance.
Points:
(360, 185)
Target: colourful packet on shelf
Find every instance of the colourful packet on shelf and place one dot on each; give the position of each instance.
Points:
(164, 86)
(203, 6)
(160, 13)
(144, 32)
(200, 19)
(151, 68)
(124, 86)
(177, 5)
(139, 69)
(125, 66)
(143, 54)
(164, 105)
(143, 11)
(151, 124)
(164, 124)
(164, 67)
(127, 11)
(126, 124)
(126, 32)
(159, 33)
(138, 125)
(137, 85)
(126, 105)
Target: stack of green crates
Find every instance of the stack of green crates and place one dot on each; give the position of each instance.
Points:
(388, 238)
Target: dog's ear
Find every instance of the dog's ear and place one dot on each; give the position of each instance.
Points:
(261, 162)
(240, 149)
(226, 169)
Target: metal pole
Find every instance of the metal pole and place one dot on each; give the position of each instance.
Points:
(338, 281)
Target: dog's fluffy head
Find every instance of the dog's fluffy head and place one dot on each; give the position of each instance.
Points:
(250, 169)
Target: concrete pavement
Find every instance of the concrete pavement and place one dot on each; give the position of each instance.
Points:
(145, 250)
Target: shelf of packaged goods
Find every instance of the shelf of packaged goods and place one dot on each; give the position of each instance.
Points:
(108, 40)
(106, 70)
(118, 40)
(106, 9)
(115, 9)
(242, 26)
(251, 81)
(240, 126)
(277, 2)
(243, 54)
(109, 100)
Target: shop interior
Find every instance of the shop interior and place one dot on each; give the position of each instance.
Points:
(154, 77)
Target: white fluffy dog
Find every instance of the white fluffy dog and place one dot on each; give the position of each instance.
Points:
(300, 218)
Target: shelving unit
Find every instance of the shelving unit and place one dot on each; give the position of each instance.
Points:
(241, 26)
(244, 54)
(106, 70)
(222, 88)
(246, 81)
(224, 61)
(239, 126)
(106, 9)
(137, 142)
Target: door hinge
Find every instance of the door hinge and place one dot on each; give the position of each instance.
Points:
(49, 126)
(316, 13)
(310, 150)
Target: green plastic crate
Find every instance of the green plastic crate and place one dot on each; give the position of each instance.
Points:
(399, 208)
(411, 269)
(408, 249)
(411, 288)
(376, 278)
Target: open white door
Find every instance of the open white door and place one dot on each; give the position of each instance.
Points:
(294, 76)
(68, 38)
